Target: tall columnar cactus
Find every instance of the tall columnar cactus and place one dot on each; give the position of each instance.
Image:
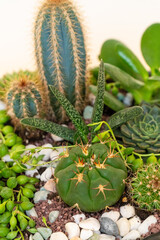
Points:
(61, 52)
(24, 97)
(91, 177)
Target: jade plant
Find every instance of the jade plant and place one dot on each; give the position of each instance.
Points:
(82, 130)
(125, 68)
(145, 187)
(91, 177)
(61, 52)
(142, 132)
(24, 96)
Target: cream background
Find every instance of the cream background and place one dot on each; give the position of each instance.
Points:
(121, 19)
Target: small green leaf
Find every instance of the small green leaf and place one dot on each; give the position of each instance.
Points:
(150, 46)
(128, 151)
(45, 221)
(101, 136)
(32, 230)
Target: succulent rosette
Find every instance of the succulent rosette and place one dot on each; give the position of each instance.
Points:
(142, 132)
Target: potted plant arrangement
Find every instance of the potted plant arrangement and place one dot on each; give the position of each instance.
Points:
(67, 176)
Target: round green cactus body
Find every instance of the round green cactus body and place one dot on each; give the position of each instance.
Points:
(91, 177)
(142, 132)
(145, 187)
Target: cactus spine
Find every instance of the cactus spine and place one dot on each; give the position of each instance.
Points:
(24, 97)
(61, 53)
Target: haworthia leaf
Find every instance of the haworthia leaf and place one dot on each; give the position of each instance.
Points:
(72, 113)
(124, 115)
(99, 102)
(50, 127)
(109, 99)
(150, 46)
(126, 81)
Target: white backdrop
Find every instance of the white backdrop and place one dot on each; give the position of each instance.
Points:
(121, 19)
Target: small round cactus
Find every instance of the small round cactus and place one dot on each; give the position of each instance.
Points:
(145, 187)
(24, 96)
(91, 177)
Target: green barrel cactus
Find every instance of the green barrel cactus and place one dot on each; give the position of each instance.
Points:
(90, 177)
(142, 132)
(61, 52)
(145, 187)
(24, 97)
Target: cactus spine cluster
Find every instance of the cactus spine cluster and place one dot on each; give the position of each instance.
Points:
(24, 96)
(61, 52)
(145, 187)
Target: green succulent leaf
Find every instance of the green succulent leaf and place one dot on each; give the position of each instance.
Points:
(109, 99)
(124, 115)
(72, 113)
(118, 54)
(126, 81)
(150, 46)
(50, 127)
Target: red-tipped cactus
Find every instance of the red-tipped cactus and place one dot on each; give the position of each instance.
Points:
(91, 177)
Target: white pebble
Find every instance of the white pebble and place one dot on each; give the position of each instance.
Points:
(50, 185)
(124, 226)
(127, 211)
(2, 106)
(58, 236)
(31, 172)
(133, 235)
(30, 237)
(47, 174)
(79, 217)
(46, 152)
(106, 237)
(114, 215)
(134, 222)
(7, 158)
(56, 138)
(86, 234)
(90, 223)
(72, 229)
(143, 228)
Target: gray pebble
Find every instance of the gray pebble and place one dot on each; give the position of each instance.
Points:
(53, 216)
(40, 195)
(45, 232)
(37, 236)
(32, 213)
(108, 226)
(87, 114)
(120, 96)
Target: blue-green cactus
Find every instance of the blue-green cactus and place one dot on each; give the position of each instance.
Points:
(61, 52)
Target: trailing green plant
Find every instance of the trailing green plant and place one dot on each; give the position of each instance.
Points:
(61, 52)
(144, 187)
(125, 68)
(82, 131)
(93, 176)
(142, 132)
(24, 97)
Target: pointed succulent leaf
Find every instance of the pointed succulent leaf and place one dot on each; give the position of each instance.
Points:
(150, 46)
(126, 81)
(123, 116)
(50, 127)
(72, 113)
(109, 99)
(99, 103)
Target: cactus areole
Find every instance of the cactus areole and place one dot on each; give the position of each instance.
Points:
(90, 177)
(60, 52)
